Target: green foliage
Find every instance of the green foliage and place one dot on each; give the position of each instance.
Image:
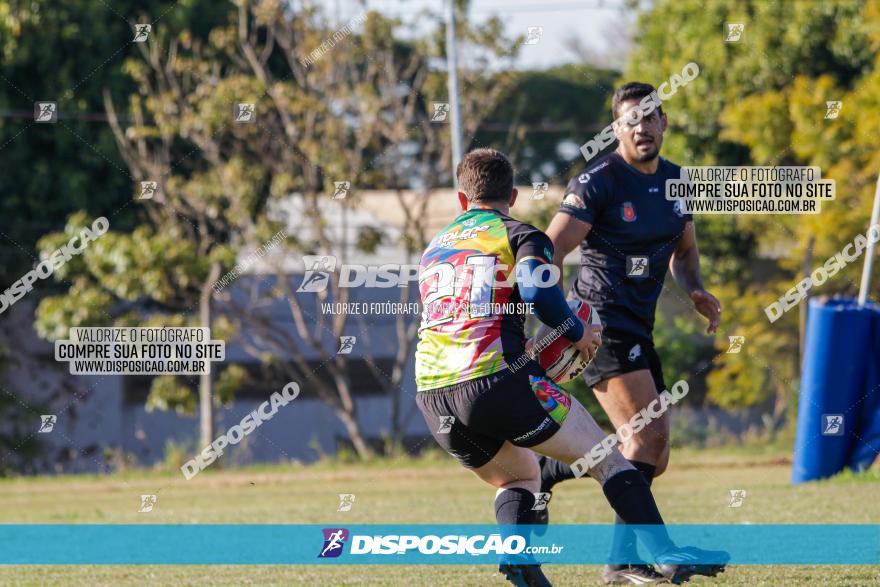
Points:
(20, 445)
(766, 371)
(161, 268)
(176, 454)
(230, 380)
(168, 392)
(683, 351)
(781, 41)
(728, 252)
(761, 101)
(532, 128)
(69, 52)
(343, 115)
(58, 177)
(118, 459)
(369, 238)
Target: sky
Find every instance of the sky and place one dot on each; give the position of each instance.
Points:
(589, 20)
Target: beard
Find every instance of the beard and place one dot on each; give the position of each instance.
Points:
(645, 156)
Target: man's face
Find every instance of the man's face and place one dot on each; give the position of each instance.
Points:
(640, 141)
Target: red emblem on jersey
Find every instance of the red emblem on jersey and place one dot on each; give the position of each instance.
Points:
(629, 213)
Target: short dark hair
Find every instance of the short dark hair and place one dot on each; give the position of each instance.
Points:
(485, 175)
(630, 91)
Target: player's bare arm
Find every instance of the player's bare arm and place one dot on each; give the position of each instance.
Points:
(685, 268)
(566, 232)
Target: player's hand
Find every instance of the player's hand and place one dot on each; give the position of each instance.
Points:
(709, 306)
(590, 342)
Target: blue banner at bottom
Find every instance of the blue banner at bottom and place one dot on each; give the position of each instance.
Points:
(272, 544)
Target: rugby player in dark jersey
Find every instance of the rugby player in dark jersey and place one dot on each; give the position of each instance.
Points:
(484, 399)
(629, 234)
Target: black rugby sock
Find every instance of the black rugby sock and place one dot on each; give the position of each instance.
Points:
(514, 507)
(552, 472)
(623, 544)
(630, 496)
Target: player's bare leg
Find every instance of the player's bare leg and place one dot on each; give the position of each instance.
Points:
(511, 467)
(622, 397)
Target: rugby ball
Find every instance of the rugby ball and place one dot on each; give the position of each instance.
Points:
(559, 358)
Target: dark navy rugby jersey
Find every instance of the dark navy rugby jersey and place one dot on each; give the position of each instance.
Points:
(625, 256)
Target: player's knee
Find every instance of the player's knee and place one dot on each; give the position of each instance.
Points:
(649, 445)
(511, 473)
(662, 462)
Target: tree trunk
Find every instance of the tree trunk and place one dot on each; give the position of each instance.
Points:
(206, 397)
(354, 433)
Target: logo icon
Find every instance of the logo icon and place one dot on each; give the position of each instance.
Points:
(541, 501)
(533, 35)
(46, 112)
(634, 353)
(317, 275)
(540, 188)
(832, 109)
(628, 212)
(637, 266)
(441, 111)
(677, 208)
(734, 32)
(245, 113)
(737, 497)
(334, 540)
(584, 177)
(346, 345)
(141, 32)
(446, 423)
(346, 502)
(47, 423)
(148, 190)
(736, 343)
(340, 189)
(147, 503)
(574, 201)
(832, 424)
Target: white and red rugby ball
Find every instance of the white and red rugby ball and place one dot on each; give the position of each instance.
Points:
(560, 359)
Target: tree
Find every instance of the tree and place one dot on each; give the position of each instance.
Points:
(54, 170)
(543, 136)
(761, 101)
(361, 113)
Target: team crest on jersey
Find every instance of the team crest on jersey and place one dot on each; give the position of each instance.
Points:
(628, 212)
(574, 201)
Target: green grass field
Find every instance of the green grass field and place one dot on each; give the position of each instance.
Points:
(429, 490)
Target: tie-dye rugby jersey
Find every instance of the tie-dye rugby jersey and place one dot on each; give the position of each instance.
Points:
(462, 335)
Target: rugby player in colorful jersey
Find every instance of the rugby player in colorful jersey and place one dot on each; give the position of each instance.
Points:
(484, 399)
